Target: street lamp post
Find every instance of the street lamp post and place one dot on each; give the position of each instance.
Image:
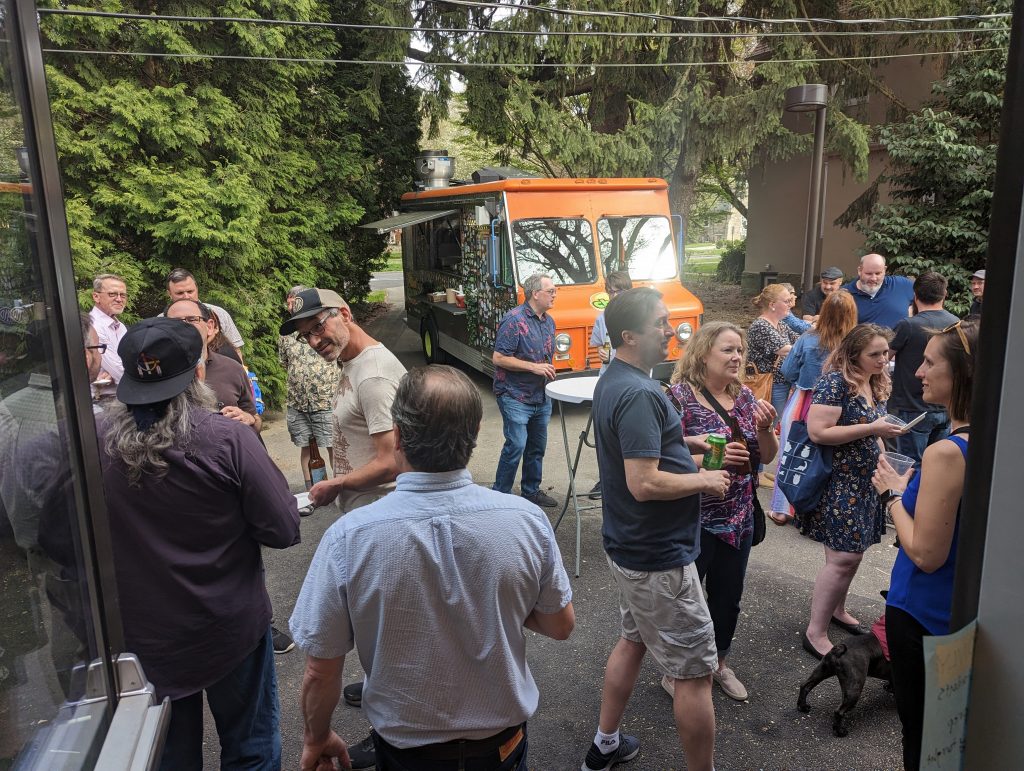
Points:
(811, 97)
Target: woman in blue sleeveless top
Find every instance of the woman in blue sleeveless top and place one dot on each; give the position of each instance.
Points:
(926, 512)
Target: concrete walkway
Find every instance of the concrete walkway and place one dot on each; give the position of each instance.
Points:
(765, 732)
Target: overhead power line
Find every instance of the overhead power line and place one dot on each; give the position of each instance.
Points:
(718, 19)
(513, 32)
(468, 65)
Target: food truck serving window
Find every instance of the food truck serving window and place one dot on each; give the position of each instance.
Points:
(641, 245)
(561, 248)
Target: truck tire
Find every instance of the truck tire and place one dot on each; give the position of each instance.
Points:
(432, 352)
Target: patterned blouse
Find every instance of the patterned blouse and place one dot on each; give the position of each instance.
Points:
(731, 518)
(312, 380)
(763, 344)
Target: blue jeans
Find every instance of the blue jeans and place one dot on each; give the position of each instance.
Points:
(930, 430)
(780, 395)
(244, 707)
(526, 437)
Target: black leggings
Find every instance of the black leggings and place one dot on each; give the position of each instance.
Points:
(724, 568)
(906, 647)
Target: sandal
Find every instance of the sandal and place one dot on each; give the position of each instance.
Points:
(779, 518)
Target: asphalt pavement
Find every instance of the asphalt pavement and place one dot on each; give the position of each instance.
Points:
(764, 732)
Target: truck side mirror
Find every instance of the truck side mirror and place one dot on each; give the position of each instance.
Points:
(677, 225)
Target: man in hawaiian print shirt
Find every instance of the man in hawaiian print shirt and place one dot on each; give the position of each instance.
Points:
(312, 382)
(522, 367)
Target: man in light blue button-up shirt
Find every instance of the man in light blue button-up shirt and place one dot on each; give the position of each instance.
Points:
(435, 584)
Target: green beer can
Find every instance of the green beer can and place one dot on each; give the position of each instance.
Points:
(714, 458)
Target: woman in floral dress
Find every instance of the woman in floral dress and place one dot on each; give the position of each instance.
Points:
(847, 413)
(709, 372)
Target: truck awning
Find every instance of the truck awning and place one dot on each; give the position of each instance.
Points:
(405, 220)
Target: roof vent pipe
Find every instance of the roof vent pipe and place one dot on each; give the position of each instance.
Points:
(435, 167)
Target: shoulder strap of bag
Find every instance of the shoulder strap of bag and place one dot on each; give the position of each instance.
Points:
(717, 407)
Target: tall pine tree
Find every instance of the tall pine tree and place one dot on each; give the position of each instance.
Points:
(251, 174)
(941, 171)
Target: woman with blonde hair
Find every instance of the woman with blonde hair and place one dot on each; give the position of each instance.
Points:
(707, 390)
(847, 413)
(802, 368)
(770, 340)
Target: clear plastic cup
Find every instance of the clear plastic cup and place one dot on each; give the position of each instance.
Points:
(900, 463)
(895, 421)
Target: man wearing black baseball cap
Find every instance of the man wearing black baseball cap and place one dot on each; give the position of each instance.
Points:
(978, 290)
(831, 280)
(192, 497)
(364, 440)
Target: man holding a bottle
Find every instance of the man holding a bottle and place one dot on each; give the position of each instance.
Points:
(312, 381)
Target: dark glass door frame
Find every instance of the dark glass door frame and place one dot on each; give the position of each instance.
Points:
(71, 377)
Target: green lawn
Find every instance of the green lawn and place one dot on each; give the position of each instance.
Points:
(377, 297)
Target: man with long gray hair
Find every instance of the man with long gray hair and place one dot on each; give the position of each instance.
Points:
(441, 640)
(192, 496)
(523, 347)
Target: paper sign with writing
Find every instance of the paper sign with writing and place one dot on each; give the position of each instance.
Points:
(948, 661)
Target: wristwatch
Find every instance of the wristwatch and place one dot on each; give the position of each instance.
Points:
(889, 496)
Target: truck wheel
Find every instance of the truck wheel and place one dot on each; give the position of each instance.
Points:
(431, 348)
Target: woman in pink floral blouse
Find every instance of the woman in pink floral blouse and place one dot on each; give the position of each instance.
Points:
(707, 375)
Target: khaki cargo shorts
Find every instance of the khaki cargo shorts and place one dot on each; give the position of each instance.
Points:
(666, 611)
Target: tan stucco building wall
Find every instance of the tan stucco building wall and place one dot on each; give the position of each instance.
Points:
(777, 209)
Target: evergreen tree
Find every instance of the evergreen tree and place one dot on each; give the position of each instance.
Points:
(251, 174)
(941, 172)
(672, 122)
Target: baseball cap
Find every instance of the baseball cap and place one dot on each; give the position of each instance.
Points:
(160, 357)
(310, 302)
(831, 274)
(978, 274)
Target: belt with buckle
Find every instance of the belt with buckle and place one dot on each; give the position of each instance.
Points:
(504, 743)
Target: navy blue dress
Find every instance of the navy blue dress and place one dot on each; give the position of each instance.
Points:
(849, 517)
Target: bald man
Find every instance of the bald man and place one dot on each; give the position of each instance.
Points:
(881, 299)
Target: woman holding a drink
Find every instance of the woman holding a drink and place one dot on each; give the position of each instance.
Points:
(926, 512)
(712, 400)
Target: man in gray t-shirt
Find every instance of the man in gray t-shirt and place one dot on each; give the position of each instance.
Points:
(651, 530)
(908, 343)
(441, 639)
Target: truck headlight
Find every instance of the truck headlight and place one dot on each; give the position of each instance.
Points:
(684, 332)
(562, 342)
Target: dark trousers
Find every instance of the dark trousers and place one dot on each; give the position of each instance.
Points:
(391, 758)
(244, 707)
(906, 647)
(723, 569)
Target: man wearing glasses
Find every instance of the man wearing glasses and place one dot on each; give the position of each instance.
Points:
(224, 375)
(523, 348)
(364, 438)
(109, 297)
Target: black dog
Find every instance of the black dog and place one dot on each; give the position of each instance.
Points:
(852, 662)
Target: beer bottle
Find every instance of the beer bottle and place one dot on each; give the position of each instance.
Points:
(317, 467)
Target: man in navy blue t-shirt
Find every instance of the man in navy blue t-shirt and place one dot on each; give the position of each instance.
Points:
(651, 535)
(881, 299)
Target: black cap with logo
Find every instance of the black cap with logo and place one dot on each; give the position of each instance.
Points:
(160, 357)
(310, 302)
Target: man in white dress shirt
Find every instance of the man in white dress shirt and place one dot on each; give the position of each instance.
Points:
(109, 297)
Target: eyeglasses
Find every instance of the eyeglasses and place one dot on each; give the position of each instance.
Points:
(317, 329)
(102, 348)
(116, 295)
(191, 319)
(960, 332)
(552, 291)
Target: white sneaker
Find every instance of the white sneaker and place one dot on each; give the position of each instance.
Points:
(730, 684)
(669, 685)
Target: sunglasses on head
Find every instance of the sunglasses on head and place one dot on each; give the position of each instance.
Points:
(960, 333)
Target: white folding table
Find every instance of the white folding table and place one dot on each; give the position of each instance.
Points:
(574, 390)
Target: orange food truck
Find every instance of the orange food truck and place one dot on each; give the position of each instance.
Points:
(467, 247)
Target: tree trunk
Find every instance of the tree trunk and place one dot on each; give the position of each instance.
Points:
(681, 191)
